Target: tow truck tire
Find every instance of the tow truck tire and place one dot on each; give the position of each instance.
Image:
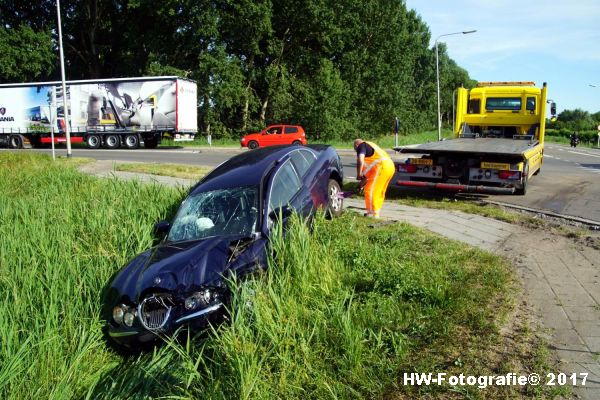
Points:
(253, 145)
(112, 141)
(93, 141)
(523, 189)
(132, 141)
(335, 202)
(15, 142)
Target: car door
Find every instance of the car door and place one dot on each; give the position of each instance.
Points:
(313, 194)
(285, 194)
(273, 135)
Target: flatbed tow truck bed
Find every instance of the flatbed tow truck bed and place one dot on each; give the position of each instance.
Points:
(474, 146)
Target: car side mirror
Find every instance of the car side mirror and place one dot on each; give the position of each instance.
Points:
(553, 109)
(284, 211)
(161, 228)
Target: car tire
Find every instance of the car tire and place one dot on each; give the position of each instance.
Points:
(297, 143)
(132, 141)
(15, 142)
(253, 144)
(93, 141)
(112, 141)
(335, 202)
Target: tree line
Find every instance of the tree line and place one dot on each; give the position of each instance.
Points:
(340, 68)
(576, 121)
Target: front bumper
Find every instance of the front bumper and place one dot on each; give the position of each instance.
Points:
(139, 335)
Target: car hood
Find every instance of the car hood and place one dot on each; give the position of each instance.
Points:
(174, 267)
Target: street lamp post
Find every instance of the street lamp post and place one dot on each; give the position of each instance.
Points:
(437, 73)
(598, 141)
(64, 84)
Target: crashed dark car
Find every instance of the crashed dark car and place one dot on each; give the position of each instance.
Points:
(221, 229)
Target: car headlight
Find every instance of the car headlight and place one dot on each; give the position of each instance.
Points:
(128, 318)
(203, 297)
(118, 313)
(191, 302)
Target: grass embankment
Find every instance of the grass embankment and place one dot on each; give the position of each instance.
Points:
(567, 142)
(175, 170)
(343, 312)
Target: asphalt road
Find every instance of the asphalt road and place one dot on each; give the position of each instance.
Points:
(569, 182)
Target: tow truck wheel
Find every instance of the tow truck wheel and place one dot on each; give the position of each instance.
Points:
(112, 141)
(523, 189)
(93, 141)
(132, 141)
(15, 142)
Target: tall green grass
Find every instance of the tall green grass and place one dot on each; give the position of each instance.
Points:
(341, 312)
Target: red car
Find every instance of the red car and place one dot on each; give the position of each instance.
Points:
(273, 135)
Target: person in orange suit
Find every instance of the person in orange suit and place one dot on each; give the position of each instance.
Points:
(375, 169)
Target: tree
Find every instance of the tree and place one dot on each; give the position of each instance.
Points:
(25, 55)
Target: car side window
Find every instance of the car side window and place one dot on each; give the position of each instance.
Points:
(276, 130)
(291, 129)
(302, 160)
(286, 184)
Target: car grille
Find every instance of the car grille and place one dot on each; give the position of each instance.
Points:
(154, 311)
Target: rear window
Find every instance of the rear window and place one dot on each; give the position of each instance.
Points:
(291, 129)
(503, 103)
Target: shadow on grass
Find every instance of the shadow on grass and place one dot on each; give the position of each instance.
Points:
(416, 194)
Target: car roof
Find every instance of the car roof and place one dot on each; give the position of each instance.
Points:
(247, 168)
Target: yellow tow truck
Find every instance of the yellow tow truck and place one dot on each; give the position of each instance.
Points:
(498, 142)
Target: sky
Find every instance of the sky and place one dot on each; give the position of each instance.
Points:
(551, 41)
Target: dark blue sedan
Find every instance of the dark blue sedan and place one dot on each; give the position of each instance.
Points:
(221, 229)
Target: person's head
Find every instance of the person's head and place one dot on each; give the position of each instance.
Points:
(357, 143)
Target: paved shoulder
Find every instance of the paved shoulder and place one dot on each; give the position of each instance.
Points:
(561, 279)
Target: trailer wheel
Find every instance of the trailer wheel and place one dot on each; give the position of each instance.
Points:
(112, 141)
(15, 142)
(253, 145)
(150, 143)
(93, 141)
(132, 141)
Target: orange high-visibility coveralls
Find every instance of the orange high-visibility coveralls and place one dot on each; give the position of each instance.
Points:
(378, 170)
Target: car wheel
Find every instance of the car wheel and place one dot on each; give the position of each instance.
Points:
(132, 141)
(297, 143)
(112, 141)
(15, 142)
(335, 201)
(93, 141)
(253, 144)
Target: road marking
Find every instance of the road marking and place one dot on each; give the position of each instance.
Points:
(584, 154)
(549, 156)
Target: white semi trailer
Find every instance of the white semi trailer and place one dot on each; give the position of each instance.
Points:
(105, 112)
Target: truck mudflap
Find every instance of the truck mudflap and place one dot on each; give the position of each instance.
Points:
(458, 187)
